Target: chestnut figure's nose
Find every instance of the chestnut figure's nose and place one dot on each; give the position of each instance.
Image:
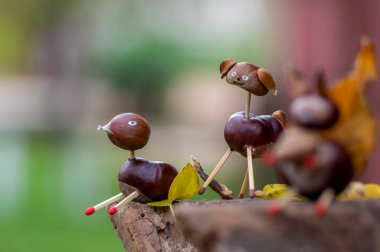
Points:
(238, 79)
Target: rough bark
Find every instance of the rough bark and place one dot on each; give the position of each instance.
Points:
(244, 225)
(143, 228)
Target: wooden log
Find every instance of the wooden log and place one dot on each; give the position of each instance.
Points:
(144, 228)
(244, 225)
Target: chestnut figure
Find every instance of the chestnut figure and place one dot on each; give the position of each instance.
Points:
(139, 179)
(313, 166)
(248, 134)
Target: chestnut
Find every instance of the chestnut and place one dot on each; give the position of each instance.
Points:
(255, 131)
(151, 178)
(327, 166)
(128, 131)
(314, 111)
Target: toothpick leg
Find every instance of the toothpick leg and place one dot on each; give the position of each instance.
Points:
(250, 173)
(128, 199)
(247, 105)
(276, 207)
(244, 185)
(103, 204)
(324, 202)
(215, 171)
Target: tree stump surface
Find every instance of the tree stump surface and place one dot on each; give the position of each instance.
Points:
(244, 225)
(144, 228)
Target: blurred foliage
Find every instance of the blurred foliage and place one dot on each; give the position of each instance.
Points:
(145, 67)
(20, 24)
(43, 219)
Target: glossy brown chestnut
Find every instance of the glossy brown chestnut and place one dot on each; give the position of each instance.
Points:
(128, 131)
(151, 178)
(333, 169)
(254, 131)
(250, 77)
(314, 111)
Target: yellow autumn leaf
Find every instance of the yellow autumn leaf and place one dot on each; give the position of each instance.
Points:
(274, 191)
(359, 191)
(354, 191)
(185, 184)
(356, 128)
(372, 191)
(162, 203)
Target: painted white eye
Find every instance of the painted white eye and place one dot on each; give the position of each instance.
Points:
(245, 77)
(132, 123)
(233, 74)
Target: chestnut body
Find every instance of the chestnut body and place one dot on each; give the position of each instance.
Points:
(254, 131)
(151, 178)
(333, 169)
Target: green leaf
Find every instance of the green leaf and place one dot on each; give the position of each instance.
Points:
(185, 184)
(162, 203)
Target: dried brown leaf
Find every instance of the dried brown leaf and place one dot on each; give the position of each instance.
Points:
(356, 128)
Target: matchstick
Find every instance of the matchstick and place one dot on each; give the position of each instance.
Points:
(244, 185)
(247, 105)
(324, 202)
(215, 171)
(250, 173)
(132, 152)
(128, 199)
(103, 204)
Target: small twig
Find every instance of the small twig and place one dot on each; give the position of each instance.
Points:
(219, 188)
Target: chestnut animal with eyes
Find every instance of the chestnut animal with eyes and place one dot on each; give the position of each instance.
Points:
(314, 166)
(250, 135)
(139, 179)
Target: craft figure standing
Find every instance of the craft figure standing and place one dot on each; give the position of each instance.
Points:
(244, 132)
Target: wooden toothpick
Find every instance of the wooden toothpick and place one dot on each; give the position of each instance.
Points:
(244, 185)
(247, 105)
(215, 171)
(250, 173)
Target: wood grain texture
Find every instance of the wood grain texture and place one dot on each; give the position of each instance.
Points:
(244, 225)
(143, 228)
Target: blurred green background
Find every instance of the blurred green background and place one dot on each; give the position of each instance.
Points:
(67, 66)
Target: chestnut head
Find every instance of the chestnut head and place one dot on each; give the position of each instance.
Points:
(128, 131)
(255, 80)
(311, 107)
(314, 111)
